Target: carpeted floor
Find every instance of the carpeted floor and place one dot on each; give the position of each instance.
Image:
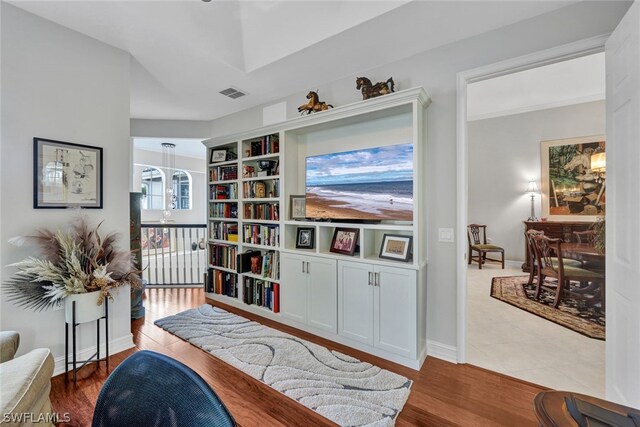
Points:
(589, 321)
(343, 389)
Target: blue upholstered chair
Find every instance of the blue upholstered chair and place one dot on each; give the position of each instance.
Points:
(151, 389)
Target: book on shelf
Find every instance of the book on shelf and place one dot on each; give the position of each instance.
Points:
(223, 173)
(261, 293)
(269, 144)
(257, 234)
(223, 231)
(262, 211)
(244, 261)
(223, 283)
(223, 210)
(223, 191)
(223, 255)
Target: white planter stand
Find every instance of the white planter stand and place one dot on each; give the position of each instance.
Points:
(83, 308)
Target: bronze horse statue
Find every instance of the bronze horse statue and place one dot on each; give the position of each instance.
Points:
(371, 91)
(314, 104)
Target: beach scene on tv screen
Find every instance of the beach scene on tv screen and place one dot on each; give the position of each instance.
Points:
(370, 184)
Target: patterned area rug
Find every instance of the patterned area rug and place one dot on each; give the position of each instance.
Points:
(343, 389)
(589, 321)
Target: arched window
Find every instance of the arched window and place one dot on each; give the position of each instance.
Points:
(182, 189)
(152, 189)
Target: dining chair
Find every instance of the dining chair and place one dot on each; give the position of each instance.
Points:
(477, 237)
(587, 236)
(532, 261)
(554, 267)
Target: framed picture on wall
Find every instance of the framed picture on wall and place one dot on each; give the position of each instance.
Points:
(573, 179)
(396, 247)
(66, 175)
(218, 156)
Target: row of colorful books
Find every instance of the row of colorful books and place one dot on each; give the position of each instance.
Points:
(264, 211)
(223, 173)
(223, 231)
(223, 191)
(223, 255)
(269, 144)
(261, 263)
(261, 293)
(267, 235)
(222, 283)
(223, 210)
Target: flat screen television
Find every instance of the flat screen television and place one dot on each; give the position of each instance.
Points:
(374, 184)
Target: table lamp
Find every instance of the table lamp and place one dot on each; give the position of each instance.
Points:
(533, 189)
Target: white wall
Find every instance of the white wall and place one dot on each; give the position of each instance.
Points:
(436, 71)
(61, 85)
(198, 129)
(504, 154)
(196, 168)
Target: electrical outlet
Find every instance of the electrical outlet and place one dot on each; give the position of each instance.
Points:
(445, 235)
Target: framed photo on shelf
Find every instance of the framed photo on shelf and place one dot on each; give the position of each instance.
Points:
(66, 175)
(344, 240)
(218, 156)
(305, 238)
(396, 247)
(298, 207)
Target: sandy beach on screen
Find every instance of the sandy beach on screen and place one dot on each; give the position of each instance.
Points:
(320, 207)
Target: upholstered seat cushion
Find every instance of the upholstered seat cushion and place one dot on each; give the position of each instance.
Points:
(567, 262)
(26, 383)
(487, 247)
(576, 273)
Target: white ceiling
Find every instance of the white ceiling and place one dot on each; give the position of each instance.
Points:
(184, 146)
(564, 83)
(185, 51)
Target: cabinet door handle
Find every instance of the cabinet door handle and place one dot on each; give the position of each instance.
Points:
(307, 268)
(370, 281)
(303, 266)
(377, 277)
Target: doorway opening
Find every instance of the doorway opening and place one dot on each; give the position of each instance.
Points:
(525, 122)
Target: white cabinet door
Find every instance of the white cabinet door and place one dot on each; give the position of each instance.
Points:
(293, 287)
(355, 301)
(322, 290)
(395, 312)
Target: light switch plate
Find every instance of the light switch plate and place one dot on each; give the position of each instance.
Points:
(445, 235)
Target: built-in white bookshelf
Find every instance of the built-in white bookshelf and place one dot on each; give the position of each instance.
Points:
(314, 289)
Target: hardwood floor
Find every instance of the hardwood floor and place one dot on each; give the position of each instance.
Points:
(443, 394)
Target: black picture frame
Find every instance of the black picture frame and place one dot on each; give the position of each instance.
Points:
(66, 175)
(396, 247)
(305, 238)
(341, 246)
(218, 155)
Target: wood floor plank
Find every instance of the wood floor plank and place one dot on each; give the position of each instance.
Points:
(443, 394)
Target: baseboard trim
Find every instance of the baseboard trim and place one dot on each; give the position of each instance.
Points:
(446, 352)
(115, 346)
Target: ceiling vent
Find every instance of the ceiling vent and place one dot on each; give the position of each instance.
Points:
(233, 93)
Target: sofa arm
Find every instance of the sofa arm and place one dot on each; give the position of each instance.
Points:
(26, 383)
(9, 342)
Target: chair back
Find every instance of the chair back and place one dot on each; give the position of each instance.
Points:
(588, 236)
(151, 389)
(477, 234)
(549, 255)
(528, 237)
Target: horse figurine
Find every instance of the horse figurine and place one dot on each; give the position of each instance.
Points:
(371, 91)
(314, 104)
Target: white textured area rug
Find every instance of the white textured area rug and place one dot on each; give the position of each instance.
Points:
(343, 389)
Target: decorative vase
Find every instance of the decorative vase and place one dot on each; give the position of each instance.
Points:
(87, 308)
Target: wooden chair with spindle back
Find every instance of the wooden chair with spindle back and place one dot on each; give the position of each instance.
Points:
(477, 236)
(552, 266)
(532, 261)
